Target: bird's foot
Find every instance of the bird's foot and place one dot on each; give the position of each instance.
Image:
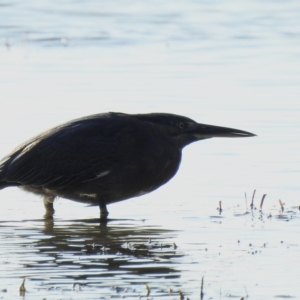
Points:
(48, 203)
(103, 212)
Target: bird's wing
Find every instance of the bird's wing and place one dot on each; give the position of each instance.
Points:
(62, 157)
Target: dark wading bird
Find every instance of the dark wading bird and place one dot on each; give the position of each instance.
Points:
(105, 158)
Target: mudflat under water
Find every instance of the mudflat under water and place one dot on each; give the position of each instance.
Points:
(216, 62)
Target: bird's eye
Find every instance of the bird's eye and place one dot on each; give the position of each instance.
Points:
(181, 125)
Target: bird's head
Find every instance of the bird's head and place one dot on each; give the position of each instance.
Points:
(187, 131)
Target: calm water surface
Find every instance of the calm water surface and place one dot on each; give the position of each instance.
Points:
(221, 63)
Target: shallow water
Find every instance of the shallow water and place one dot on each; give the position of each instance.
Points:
(83, 259)
(217, 62)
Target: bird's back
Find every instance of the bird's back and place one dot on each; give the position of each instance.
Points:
(115, 152)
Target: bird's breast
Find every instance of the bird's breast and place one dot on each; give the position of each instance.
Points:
(155, 173)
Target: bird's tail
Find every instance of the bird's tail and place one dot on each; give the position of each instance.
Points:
(4, 164)
(3, 183)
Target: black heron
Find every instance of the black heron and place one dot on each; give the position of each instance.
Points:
(105, 158)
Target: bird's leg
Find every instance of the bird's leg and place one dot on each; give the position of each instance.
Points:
(48, 203)
(103, 211)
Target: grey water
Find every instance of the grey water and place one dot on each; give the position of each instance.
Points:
(222, 63)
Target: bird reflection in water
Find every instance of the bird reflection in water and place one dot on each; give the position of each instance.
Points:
(58, 254)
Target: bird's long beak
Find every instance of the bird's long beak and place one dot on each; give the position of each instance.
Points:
(204, 131)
